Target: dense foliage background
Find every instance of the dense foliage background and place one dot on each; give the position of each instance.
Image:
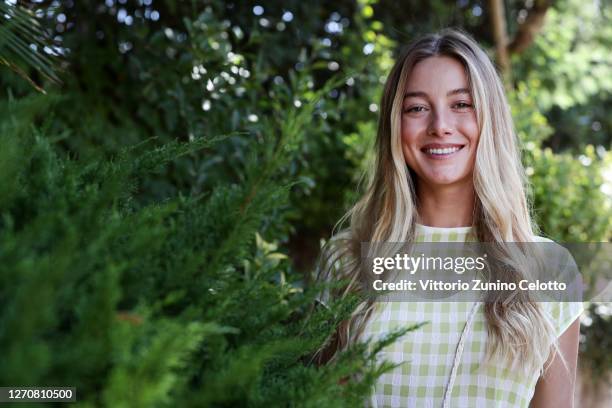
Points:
(164, 198)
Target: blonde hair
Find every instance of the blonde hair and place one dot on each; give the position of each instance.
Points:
(387, 212)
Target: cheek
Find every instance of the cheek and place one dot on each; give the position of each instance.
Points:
(410, 132)
(471, 132)
(469, 128)
(409, 135)
(408, 140)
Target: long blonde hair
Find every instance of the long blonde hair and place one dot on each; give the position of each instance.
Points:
(387, 212)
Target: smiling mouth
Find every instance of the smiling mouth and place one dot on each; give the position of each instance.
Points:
(441, 151)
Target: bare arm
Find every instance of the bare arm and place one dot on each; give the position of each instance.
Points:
(555, 388)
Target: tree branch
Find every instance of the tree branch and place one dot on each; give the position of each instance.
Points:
(530, 28)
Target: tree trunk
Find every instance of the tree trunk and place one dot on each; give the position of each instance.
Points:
(524, 37)
(500, 34)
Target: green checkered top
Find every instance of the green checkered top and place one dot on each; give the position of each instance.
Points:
(426, 355)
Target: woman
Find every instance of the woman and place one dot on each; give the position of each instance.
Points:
(448, 169)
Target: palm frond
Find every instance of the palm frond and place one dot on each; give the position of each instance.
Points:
(22, 44)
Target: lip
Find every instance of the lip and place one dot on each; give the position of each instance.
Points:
(441, 145)
(441, 156)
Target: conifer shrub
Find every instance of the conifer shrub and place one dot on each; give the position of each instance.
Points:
(180, 302)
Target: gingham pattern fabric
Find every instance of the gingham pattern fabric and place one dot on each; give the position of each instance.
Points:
(426, 355)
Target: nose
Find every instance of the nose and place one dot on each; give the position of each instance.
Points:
(440, 124)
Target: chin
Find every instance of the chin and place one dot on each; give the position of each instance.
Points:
(445, 179)
(442, 182)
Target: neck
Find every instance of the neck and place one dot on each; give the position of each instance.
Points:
(446, 206)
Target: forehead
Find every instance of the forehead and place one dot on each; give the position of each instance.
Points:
(437, 74)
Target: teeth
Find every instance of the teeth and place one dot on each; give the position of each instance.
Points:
(446, 150)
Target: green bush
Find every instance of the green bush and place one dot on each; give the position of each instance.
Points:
(571, 205)
(595, 344)
(166, 303)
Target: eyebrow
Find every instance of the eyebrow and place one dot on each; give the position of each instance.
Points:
(450, 93)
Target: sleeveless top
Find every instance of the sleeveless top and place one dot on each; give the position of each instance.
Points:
(427, 355)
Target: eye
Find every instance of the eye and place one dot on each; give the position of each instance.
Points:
(415, 109)
(462, 105)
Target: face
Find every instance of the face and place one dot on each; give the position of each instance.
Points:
(439, 127)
